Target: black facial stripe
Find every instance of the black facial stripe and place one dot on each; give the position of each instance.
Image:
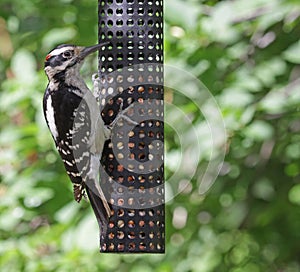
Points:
(55, 61)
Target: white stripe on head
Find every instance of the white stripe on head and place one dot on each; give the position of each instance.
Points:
(58, 51)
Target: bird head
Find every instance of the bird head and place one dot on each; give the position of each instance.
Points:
(66, 56)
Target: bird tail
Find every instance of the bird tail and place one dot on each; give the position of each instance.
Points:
(100, 206)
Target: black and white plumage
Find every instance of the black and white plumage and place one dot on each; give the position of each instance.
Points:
(71, 112)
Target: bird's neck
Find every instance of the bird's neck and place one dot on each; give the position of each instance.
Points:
(69, 77)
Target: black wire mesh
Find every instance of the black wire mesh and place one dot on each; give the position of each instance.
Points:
(131, 80)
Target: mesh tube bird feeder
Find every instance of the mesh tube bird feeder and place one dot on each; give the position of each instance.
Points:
(131, 82)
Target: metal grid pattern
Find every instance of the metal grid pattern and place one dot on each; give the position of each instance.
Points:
(131, 80)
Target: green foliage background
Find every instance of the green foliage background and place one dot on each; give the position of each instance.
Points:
(247, 53)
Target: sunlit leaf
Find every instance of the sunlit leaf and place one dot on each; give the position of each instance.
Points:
(24, 66)
(259, 130)
(58, 35)
(292, 54)
(294, 194)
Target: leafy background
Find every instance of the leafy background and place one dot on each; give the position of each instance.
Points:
(247, 53)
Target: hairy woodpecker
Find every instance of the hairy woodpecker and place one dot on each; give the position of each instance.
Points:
(73, 117)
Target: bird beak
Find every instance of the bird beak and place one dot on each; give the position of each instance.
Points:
(90, 49)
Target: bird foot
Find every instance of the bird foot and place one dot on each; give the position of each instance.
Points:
(96, 85)
(121, 115)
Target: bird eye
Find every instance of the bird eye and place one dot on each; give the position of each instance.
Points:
(67, 54)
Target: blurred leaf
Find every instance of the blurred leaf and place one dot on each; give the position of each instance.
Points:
(263, 189)
(233, 216)
(259, 131)
(235, 98)
(218, 25)
(67, 213)
(82, 236)
(292, 54)
(58, 35)
(23, 66)
(175, 10)
(294, 194)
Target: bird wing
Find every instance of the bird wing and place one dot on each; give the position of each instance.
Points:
(88, 139)
(75, 141)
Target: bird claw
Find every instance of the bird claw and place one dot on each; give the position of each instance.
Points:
(96, 85)
(121, 115)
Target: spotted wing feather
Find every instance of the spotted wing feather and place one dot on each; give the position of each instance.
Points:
(74, 138)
